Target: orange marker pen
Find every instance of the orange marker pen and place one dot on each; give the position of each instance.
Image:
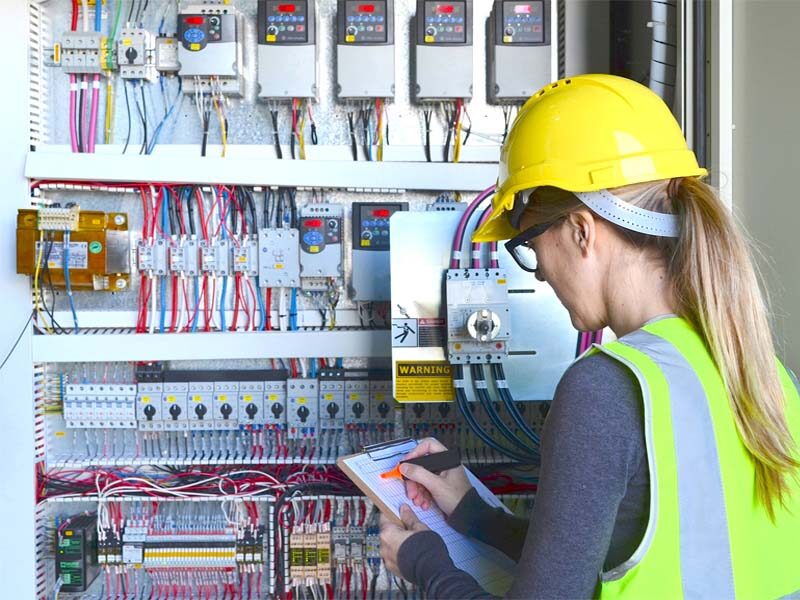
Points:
(435, 463)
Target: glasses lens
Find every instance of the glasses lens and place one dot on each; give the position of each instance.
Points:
(525, 256)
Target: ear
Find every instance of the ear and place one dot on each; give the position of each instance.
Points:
(582, 230)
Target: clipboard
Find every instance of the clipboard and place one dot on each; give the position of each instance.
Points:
(492, 569)
(378, 453)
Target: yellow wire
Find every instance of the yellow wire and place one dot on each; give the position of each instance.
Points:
(301, 138)
(109, 107)
(457, 147)
(222, 127)
(39, 317)
(380, 132)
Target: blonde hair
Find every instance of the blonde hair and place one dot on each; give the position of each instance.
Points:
(716, 288)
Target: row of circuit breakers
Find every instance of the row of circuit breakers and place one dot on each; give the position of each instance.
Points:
(208, 50)
(307, 258)
(176, 400)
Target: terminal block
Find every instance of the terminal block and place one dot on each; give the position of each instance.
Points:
(81, 53)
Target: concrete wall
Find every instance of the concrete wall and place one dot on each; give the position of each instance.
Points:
(766, 192)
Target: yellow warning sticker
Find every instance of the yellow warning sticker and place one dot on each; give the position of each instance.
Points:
(365, 242)
(429, 39)
(507, 39)
(272, 38)
(171, 399)
(194, 47)
(423, 381)
(350, 38)
(60, 433)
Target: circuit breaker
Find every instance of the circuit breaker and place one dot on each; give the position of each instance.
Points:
(136, 54)
(365, 49)
(370, 280)
(210, 48)
(287, 49)
(302, 396)
(519, 50)
(478, 315)
(320, 245)
(443, 50)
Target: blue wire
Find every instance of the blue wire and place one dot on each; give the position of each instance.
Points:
(98, 15)
(173, 105)
(340, 363)
(196, 317)
(68, 281)
(313, 370)
(262, 325)
(293, 310)
(165, 232)
(222, 303)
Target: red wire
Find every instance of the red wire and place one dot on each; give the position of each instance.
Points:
(74, 25)
(236, 301)
(268, 308)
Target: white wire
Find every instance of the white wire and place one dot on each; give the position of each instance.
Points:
(85, 14)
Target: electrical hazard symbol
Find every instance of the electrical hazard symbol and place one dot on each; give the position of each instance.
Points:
(405, 333)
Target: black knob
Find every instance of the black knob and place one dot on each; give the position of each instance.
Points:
(251, 410)
(358, 409)
(444, 409)
(149, 412)
(226, 410)
(352, 30)
(174, 411)
(277, 409)
(200, 410)
(303, 413)
(131, 54)
(383, 409)
(418, 409)
(430, 31)
(332, 409)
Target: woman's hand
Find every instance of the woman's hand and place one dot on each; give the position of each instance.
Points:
(393, 536)
(424, 488)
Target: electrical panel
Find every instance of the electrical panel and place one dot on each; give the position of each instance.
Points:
(209, 51)
(518, 50)
(365, 49)
(320, 245)
(89, 250)
(287, 49)
(443, 50)
(371, 250)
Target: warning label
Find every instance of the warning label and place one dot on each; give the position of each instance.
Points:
(78, 254)
(423, 381)
(431, 332)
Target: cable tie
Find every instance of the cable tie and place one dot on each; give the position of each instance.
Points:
(493, 255)
(459, 383)
(481, 384)
(502, 383)
(457, 254)
(476, 255)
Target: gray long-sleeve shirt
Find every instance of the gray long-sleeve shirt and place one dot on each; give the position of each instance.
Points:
(591, 509)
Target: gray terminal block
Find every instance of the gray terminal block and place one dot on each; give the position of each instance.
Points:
(287, 49)
(278, 257)
(519, 50)
(443, 50)
(365, 49)
(209, 47)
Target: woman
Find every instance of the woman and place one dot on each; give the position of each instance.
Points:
(669, 457)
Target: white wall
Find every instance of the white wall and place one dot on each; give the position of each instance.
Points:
(766, 193)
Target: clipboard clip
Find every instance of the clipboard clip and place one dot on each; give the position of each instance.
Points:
(390, 449)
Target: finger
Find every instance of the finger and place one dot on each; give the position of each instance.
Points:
(387, 526)
(422, 476)
(426, 446)
(408, 517)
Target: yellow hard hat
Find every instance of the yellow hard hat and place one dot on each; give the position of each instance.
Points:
(583, 134)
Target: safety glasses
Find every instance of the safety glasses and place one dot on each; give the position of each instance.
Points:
(518, 246)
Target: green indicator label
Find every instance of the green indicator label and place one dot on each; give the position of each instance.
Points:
(95, 247)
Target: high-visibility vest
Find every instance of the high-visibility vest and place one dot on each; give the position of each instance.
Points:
(708, 535)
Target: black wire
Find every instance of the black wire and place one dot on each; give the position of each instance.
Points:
(291, 137)
(365, 115)
(51, 311)
(143, 115)
(19, 337)
(190, 197)
(450, 116)
(353, 144)
(427, 116)
(314, 138)
(265, 215)
(373, 585)
(172, 212)
(128, 112)
(251, 204)
(130, 11)
(506, 121)
(206, 122)
(276, 141)
(143, 10)
(293, 206)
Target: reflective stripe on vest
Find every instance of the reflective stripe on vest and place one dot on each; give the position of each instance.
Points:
(706, 535)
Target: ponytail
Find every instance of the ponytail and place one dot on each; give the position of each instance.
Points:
(717, 291)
